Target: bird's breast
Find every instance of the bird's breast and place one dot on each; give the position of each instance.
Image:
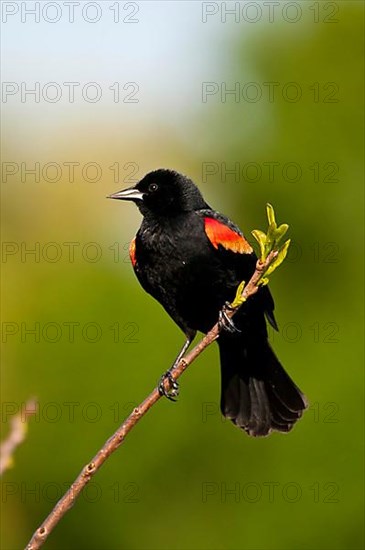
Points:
(174, 249)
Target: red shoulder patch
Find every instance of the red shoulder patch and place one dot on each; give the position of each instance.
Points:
(132, 252)
(220, 234)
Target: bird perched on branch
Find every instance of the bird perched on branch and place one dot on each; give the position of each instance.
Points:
(191, 259)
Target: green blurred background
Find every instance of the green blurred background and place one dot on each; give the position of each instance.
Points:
(184, 479)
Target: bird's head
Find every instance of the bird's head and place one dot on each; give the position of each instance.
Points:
(163, 192)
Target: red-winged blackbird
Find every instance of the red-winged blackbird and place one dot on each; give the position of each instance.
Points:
(192, 259)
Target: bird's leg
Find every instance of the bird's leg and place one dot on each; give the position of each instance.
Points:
(173, 391)
(225, 322)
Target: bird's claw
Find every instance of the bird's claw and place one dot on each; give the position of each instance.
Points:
(225, 322)
(173, 391)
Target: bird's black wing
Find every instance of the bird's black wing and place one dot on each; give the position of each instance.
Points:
(230, 243)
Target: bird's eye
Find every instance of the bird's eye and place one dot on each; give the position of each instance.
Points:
(153, 187)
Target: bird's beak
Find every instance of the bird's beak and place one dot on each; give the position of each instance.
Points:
(130, 194)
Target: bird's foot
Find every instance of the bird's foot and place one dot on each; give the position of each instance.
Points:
(173, 390)
(224, 321)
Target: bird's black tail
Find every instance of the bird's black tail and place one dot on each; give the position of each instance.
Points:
(257, 393)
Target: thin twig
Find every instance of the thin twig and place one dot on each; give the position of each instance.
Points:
(16, 436)
(112, 444)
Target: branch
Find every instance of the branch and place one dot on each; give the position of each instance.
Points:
(16, 436)
(269, 260)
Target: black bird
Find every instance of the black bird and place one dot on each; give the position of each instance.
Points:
(191, 259)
